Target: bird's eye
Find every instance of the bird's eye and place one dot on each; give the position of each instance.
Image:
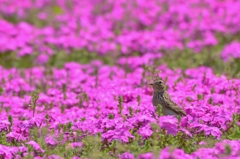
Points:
(160, 82)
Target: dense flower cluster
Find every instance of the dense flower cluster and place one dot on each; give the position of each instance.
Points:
(75, 109)
(231, 51)
(112, 26)
(97, 98)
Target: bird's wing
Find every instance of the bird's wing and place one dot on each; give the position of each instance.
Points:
(174, 107)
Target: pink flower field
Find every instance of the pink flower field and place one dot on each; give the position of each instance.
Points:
(74, 79)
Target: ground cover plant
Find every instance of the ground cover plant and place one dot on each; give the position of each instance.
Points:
(74, 78)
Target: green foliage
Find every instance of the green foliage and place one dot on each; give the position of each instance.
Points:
(10, 59)
(130, 111)
(159, 110)
(120, 104)
(111, 116)
(57, 9)
(1, 90)
(34, 98)
(93, 146)
(234, 131)
(139, 100)
(228, 150)
(10, 119)
(3, 139)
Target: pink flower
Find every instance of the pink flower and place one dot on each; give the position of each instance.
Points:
(15, 136)
(36, 146)
(185, 131)
(126, 155)
(231, 50)
(146, 156)
(169, 123)
(119, 134)
(145, 131)
(25, 51)
(42, 59)
(4, 125)
(214, 131)
(54, 157)
(76, 144)
(50, 140)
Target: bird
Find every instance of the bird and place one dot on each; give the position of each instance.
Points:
(161, 97)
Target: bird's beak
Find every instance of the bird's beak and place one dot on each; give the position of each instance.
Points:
(150, 84)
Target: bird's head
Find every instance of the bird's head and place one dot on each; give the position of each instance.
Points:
(158, 85)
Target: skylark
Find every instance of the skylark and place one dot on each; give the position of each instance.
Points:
(162, 97)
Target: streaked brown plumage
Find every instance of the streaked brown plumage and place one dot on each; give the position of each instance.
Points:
(161, 97)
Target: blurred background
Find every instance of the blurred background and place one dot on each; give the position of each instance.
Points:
(176, 33)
